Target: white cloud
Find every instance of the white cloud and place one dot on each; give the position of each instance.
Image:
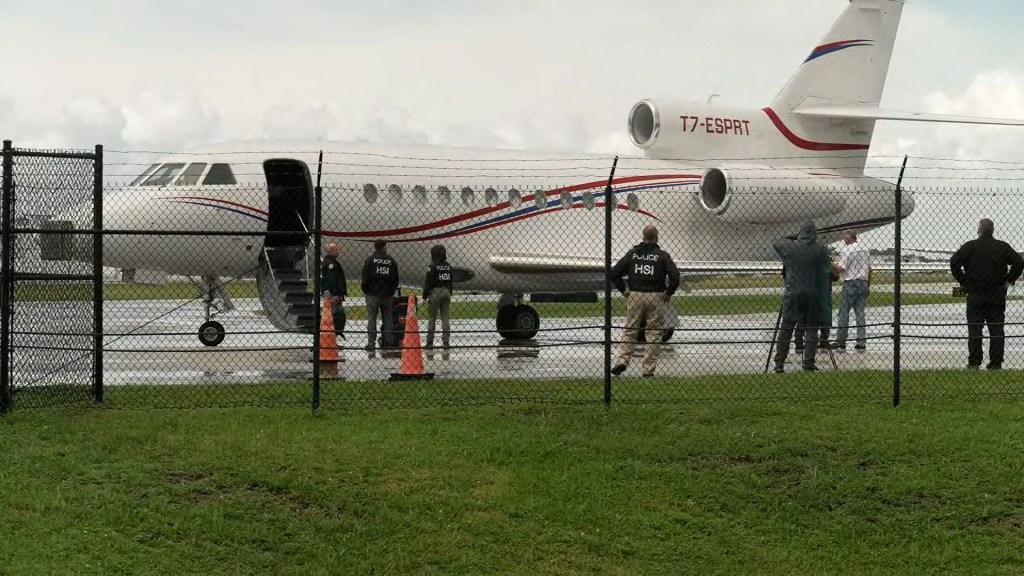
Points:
(312, 122)
(169, 121)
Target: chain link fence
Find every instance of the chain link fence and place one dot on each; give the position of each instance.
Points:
(212, 293)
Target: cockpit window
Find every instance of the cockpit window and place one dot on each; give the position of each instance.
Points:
(191, 174)
(220, 175)
(164, 175)
(145, 173)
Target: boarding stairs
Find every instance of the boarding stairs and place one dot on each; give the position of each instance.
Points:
(284, 282)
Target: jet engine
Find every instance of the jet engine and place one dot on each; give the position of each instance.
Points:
(765, 195)
(649, 126)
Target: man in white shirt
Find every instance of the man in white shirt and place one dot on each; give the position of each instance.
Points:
(854, 267)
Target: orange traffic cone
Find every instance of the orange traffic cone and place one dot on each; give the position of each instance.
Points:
(328, 340)
(412, 352)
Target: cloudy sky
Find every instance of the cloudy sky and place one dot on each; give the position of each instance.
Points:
(149, 75)
(143, 74)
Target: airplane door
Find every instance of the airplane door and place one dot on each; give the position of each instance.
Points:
(290, 202)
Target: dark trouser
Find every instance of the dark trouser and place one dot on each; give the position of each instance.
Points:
(986, 308)
(798, 308)
(384, 306)
(798, 335)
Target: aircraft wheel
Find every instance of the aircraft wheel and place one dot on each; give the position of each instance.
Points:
(518, 322)
(211, 333)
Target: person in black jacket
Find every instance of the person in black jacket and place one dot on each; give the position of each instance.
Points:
(648, 267)
(333, 286)
(379, 282)
(437, 291)
(806, 264)
(985, 268)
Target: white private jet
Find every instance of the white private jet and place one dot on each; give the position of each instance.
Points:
(516, 222)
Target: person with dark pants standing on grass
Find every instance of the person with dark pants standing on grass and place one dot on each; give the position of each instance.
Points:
(379, 282)
(648, 267)
(806, 264)
(985, 268)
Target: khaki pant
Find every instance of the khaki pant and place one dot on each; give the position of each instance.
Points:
(641, 306)
(440, 300)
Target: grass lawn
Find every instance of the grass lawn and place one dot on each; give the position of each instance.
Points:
(810, 487)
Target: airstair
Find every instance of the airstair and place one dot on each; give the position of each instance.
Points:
(284, 283)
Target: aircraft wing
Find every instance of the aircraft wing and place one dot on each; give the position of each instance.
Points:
(526, 263)
(874, 113)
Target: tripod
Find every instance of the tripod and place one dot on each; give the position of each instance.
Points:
(775, 338)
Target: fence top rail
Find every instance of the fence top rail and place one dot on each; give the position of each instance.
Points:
(17, 152)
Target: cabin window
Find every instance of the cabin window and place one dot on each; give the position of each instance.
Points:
(468, 196)
(566, 199)
(515, 199)
(588, 200)
(420, 193)
(444, 195)
(395, 192)
(164, 175)
(191, 174)
(220, 175)
(491, 197)
(145, 173)
(540, 199)
(370, 193)
(633, 201)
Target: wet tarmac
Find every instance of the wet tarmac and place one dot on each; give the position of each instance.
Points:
(154, 342)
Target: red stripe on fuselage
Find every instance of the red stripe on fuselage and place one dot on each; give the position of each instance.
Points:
(503, 205)
(807, 144)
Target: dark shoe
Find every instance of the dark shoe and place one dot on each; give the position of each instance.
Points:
(798, 349)
(648, 374)
(369, 347)
(994, 366)
(619, 369)
(973, 366)
(779, 369)
(811, 368)
(860, 348)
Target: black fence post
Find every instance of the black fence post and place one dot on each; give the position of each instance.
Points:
(97, 271)
(317, 239)
(897, 288)
(609, 198)
(6, 282)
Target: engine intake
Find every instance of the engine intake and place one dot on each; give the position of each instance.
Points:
(644, 124)
(765, 195)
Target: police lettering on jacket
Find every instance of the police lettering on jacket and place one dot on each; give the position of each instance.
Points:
(645, 265)
(648, 267)
(380, 275)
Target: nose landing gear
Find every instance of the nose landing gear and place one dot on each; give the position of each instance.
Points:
(215, 301)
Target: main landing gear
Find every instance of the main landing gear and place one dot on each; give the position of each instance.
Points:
(215, 301)
(516, 321)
